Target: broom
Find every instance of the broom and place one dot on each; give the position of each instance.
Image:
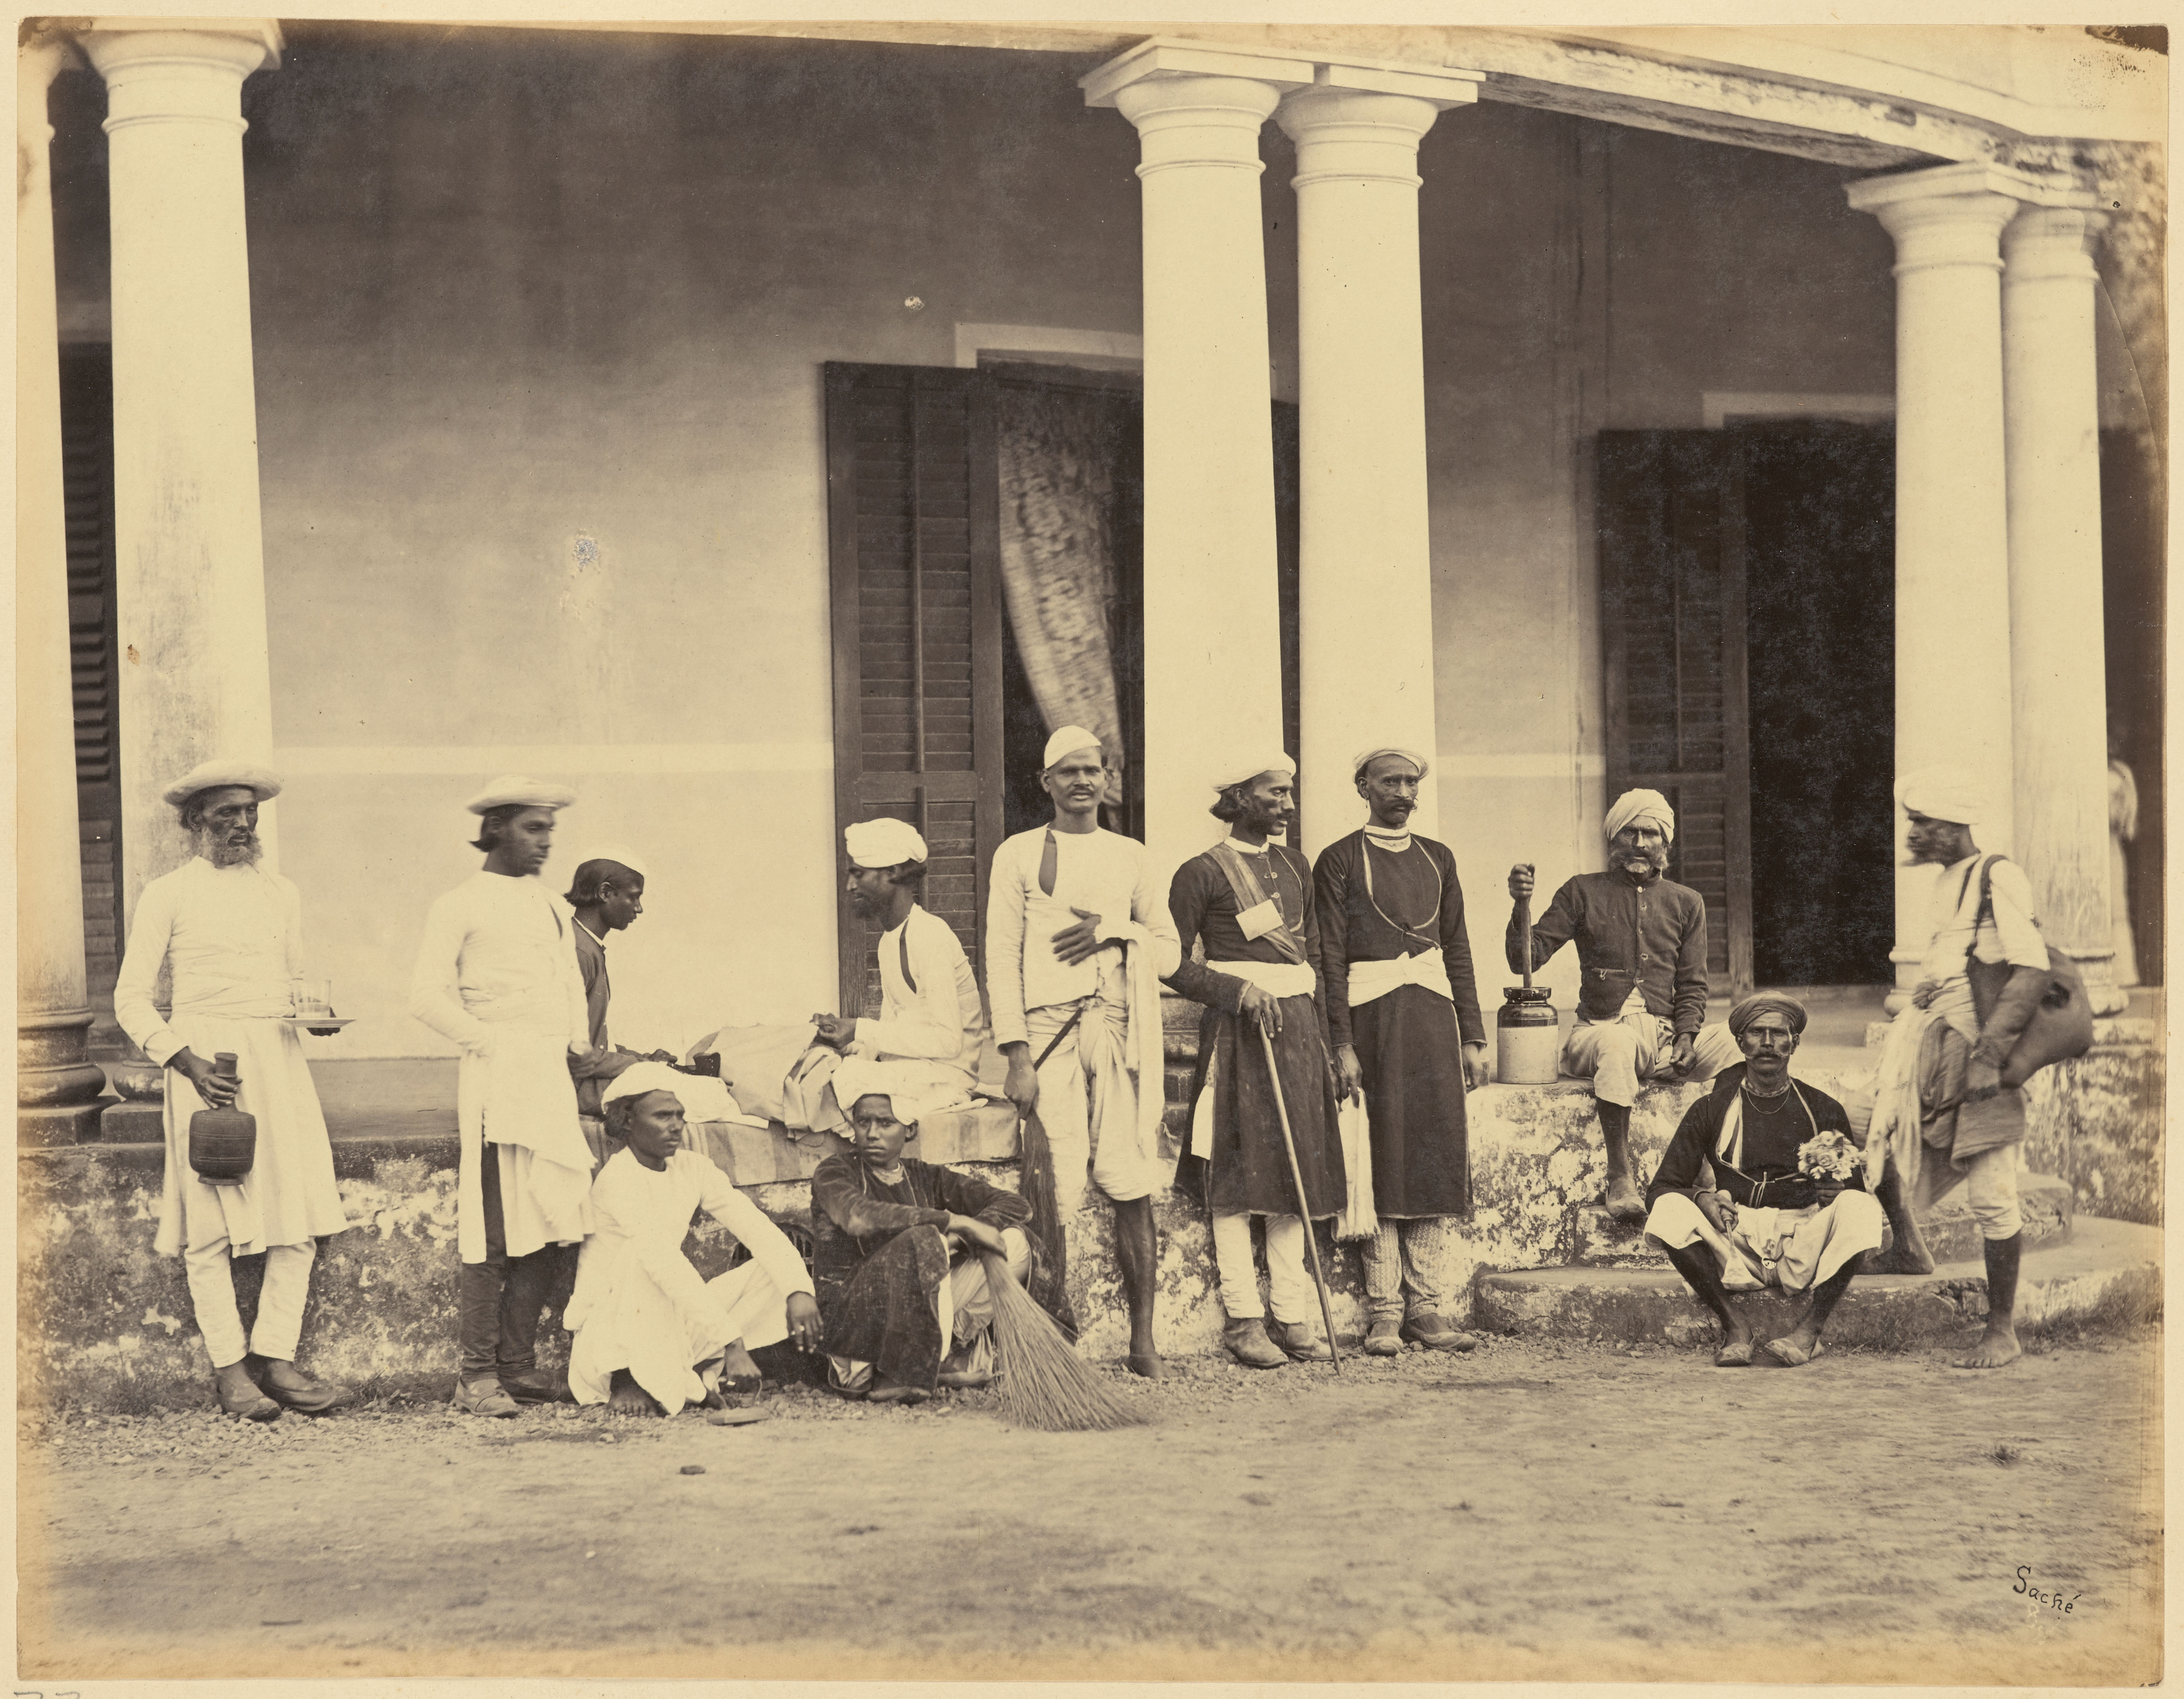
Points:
(1049, 1266)
(1041, 1382)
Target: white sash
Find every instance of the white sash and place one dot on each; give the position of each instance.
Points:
(1371, 979)
(1275, 978)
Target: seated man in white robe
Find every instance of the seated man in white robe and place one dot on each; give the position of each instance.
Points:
(652, 1334)
(931, 1024)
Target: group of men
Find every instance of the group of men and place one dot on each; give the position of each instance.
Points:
(1325, 988)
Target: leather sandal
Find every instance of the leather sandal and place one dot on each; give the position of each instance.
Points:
(1302, 1341)
(1781, 1354)
(1436, 1333)
(898, 1395)
(1385, 1338)
(483, 1397)
(240, 1397)
(535, 1386)
(1737, 1356)
(1247, 1342)
(289, 1386)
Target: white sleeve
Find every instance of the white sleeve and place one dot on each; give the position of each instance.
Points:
(292, 908)
(931, 1028)
(2022, 945)
(1149, 909)
(753, 1227)
(133, 990)
(573, 982)
(1005, 935)
(435, 996)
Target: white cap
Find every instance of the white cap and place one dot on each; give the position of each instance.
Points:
(520, 790)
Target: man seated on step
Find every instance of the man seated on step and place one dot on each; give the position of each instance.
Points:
(1641, 953)
(896, 1246)
(931, 1024)
(1762, 1223)
(652, 1333)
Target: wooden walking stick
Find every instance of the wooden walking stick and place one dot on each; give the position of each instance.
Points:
(1304, 1204)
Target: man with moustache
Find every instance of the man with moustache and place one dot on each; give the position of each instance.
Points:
(497, 973)
(1641, 951)
(1249, 901)
(1402, 1013)
(932, 1025)
(231, 934)
(1763, 1222)
(1077, 942)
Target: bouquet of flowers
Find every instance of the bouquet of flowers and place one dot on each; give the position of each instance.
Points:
(1831, 1159)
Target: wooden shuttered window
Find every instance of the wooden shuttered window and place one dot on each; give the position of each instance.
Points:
(917, 620)
(86, 372)
(1671, 562)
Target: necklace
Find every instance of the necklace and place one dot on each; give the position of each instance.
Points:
(1778, 1099)
(1418, 932)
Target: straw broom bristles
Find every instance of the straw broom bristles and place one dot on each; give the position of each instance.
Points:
(1042, 1384)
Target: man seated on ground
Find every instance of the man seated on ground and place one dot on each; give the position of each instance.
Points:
(607, 895)
(900, 1319)
(1762, 1222)
(931, 1024)
(652, 1334)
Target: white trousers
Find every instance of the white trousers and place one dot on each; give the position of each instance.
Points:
(1616, 1055)
(280, 1325)
(1990, 1180)
(1288, 1288)
(1089, 1106)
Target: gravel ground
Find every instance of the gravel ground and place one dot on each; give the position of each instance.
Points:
(1538, 1508)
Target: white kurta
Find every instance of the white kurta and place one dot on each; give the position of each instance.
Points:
(930, 1034)
(640, 1305)
(497, 972)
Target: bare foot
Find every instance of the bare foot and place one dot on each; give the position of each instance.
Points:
(1902, 1260)
(627, 1398)
(1997, 1347)
(739, 1374)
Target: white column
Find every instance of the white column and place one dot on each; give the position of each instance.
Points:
(191, 590)
(1365, 588)
(2057, 650)
(1952, 647)
(56, 1086)
(1211, 612)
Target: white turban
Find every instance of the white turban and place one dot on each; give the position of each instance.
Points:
(264, 782)
(1944, 793)
(619, 854)
(857, 1077)
(1251, 766)
(1066, 741)
(520, 791)
(639, 1078)
(1365, 759)
(1643, 807)
(886, 842)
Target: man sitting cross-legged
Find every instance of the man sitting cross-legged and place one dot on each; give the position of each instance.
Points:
(1763, 1223)
(652, 1333)
(885, 1229)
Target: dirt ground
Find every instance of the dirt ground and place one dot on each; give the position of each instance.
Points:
(1534, 1510)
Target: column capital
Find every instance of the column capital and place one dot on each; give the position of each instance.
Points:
(1951, 215)
(165, 69)
(1281, 68)
(1198, 120)
(1347, 135)
(2044, 243)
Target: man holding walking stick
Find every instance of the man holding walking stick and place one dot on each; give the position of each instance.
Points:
(1263, 1128)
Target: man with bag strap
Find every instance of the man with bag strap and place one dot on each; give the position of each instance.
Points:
(1981, 983)
(1249, 902)
(1402, 1014)
(1077, 943)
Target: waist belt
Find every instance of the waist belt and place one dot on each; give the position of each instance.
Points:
(1275, 978)
(1371, 979)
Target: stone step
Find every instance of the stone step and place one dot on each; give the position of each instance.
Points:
(2105, 1270)
(1951, 1234)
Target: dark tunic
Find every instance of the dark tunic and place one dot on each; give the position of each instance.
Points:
(880, 1253)
(1651, 937)
(593, 1071)
(1770, 1145)
(1249, 1170)
(1408, 1040)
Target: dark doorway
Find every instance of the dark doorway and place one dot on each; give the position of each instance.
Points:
(1820, 620)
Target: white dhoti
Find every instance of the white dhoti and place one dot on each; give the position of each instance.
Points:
(518, 1098)
(1793, 1249)
(1636, 1045)
(660, 1331)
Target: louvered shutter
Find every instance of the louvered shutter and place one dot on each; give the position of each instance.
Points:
(918, 634)
(87, 472)
(1671, 521)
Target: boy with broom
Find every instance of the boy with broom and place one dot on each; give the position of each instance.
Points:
(903, 1314)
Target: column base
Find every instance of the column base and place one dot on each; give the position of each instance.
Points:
(43, 1129)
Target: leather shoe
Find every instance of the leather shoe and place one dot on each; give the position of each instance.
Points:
(483, 1397)
(535, 1386)
(1247, 1342)
(288, 1385)
(1302, 1341)
(239, 1395)
(1436, 1335)
(1385, 1338)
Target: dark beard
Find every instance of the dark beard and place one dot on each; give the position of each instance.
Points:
(222, 854)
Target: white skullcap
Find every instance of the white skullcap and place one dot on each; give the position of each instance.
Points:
(265, 784)
(1942, 793)
(858, 1077)
(1640, 807)
(639, 1078)
(886, 842)
(518, 790)
(1251, 766)
(1366, 758)
(1066, 741)
(619, 854)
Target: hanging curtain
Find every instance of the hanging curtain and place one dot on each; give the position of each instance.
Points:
(1057, 548)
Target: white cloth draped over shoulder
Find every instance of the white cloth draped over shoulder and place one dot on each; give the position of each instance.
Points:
(497, 973)
(232, 940)
(639, 1303)
(931, 1021)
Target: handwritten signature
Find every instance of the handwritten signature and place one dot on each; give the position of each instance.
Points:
(2036, 1596)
